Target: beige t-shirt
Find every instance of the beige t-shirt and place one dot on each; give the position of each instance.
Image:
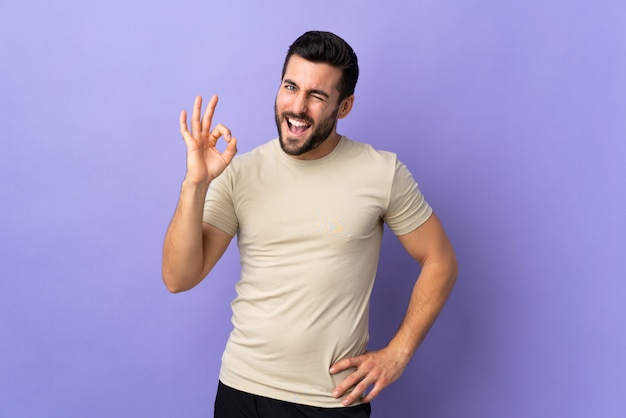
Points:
(309, 236)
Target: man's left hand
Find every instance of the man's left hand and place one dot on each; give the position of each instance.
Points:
(377, 369)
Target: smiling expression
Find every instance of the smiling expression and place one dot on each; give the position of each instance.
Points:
(307, 108)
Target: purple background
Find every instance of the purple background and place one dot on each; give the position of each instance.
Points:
(511, 115)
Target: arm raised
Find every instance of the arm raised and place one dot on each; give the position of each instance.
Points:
(191, 248)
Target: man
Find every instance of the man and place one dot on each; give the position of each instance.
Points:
(308, 209)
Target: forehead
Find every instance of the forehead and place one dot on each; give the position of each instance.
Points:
(313, 75)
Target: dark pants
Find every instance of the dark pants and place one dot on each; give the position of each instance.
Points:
(233, 403)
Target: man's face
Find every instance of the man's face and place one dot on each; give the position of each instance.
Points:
(307, 106)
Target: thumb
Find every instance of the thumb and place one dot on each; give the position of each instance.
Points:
(230, 151)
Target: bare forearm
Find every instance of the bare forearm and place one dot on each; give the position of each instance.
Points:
(381, 368)
(183, 246)
(191, 248)
(428, 298)
(429, 246)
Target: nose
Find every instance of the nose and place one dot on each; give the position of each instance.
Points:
(300, 104)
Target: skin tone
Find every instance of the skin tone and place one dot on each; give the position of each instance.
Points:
(191, 247)
(307, 109)
(376, 370)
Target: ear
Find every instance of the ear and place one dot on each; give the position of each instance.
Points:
(345, 107)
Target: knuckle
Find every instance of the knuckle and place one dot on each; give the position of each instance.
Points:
(360, 388)
(352, 379)
(223, 128)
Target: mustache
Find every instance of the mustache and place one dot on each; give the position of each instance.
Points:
(301, 116)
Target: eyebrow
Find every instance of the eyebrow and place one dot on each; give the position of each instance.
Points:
(313, 91)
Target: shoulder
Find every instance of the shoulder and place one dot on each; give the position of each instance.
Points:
(366, 155)
(366, 150)
(259, 155)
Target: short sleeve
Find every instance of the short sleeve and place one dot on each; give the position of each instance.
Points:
(219, 208)
(407, 208)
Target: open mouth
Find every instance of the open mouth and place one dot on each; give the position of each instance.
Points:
(297, 126)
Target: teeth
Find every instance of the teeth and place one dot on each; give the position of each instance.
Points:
(297, 123)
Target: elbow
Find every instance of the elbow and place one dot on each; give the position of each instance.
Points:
(174, 288)
(177, 279)
(175, 284)
(448, 270)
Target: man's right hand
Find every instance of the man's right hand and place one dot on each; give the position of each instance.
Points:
(191, 248)
(204, 161)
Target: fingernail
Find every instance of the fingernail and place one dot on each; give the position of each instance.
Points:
(332, 370)
(336, 393)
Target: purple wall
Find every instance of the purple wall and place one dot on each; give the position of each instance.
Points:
(510, 114)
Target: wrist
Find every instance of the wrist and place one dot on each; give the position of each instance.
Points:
(195, 186)
(400, 351)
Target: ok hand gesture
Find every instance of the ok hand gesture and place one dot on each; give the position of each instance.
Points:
(204, 161)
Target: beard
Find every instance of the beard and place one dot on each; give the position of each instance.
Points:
(318, 134)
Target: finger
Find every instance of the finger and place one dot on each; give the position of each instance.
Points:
(221, 130)
(231, 148)
(230, 151)
(373, 393)
(183, 122)
(184, 131)
(208, 113)
(350, 381)
(345, 364)
(356, 393)
(196, 126)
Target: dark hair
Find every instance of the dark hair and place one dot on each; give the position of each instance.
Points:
(328, 48)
